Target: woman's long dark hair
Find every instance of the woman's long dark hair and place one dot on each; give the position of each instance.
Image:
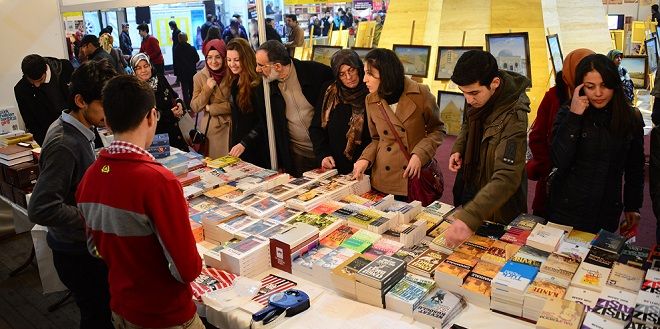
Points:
(391, 73)
(623, 116)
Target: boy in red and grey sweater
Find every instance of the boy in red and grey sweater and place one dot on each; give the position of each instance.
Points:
(137, 218)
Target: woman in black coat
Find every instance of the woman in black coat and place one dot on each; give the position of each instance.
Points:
(168, 103)
(248, 137)
(339, 129)
(597, 140)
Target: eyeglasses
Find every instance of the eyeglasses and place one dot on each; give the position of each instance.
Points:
(348, 73)
(261, 66)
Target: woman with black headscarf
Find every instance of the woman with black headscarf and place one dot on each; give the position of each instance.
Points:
(339, 130)
(168, 103)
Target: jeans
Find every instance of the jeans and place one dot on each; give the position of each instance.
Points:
(87, 279)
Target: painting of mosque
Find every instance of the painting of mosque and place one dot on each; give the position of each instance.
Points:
(452, 108)
(415, 59)
(511, 50)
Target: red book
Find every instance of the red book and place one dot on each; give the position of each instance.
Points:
(516, 236)
(188, 178)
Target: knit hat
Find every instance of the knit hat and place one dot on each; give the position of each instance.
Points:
(571, 62)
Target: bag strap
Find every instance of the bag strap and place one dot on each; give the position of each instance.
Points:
(208, 123)
(396, 135)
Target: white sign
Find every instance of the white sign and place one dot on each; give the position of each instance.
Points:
(9, 119)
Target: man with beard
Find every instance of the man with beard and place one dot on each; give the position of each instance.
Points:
(295, 87)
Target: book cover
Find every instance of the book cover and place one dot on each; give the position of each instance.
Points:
(625, 277)
(596, 321)
(439, 229)
(248, 244)
(430, 219)
(560, 313)
(363, 219)
(526, 222)
(284, 215)
(381, 269)
(647, 309)
(515, 275)
(583, 296)
(426, 263)
(613, 309)
(319, 221)
(334, 258)
(360, 241)
(351, 266)
(560, 266)
(383, 247)
(491, 230)
(256, 228)
(601, 257)
(580, 237)
(573, 250)
(438, 304)
(211, 279)
(609, 241)
(457, 265)
(516, 235)
(407, 254)
(622, 296)
(634, 255)
(530, 256)
(499, 252)
(326, 208)
(545, 289)
(480, 278)
(338, 236)
(475, 246)
(545, 237)
(590, 276)
(439, 208)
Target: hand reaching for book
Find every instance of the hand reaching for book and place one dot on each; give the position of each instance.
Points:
(457, 232)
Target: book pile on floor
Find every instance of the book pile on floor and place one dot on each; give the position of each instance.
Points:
(366, 246)
(18, 172)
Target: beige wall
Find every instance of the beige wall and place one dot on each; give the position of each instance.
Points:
(29, 26)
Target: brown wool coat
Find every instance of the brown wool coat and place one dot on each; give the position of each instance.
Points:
(218, 107)
(417, 121)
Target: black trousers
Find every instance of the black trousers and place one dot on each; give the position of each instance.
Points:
(87, 279)
(186, 90)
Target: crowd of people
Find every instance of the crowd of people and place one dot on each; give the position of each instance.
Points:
(359, 117)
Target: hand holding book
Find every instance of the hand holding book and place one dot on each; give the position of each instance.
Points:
(457, 232)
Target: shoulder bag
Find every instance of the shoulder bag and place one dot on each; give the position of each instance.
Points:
(430, 184)
(197, 138)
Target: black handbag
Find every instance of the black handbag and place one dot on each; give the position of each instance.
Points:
(196, 136)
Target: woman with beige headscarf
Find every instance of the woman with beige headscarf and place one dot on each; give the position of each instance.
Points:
(106, 41)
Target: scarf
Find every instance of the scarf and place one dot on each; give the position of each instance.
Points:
(135, 60)
(219, 45)
(337, 94)
(476, 117)
(571, 62)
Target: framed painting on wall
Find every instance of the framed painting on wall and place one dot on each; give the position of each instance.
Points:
(323, 54)
(652, 54)
(511, 50)
(452, 109)
(637, 67)
(447, 58)
(415, 59)
(555, 52)
(361, 51)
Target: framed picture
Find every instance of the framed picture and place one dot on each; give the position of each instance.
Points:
(447, 58)
(652, 54)
(361, 52)
(452, 109)
(415, 59)
(637, 69)
(323, 54)
(511, 50)
(555, 52)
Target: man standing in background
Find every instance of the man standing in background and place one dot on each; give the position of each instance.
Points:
(151, 47)
(125, 43)
(296, 36)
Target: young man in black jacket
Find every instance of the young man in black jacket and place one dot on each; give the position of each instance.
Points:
(42, 92)
(295, 88)
(67, 152)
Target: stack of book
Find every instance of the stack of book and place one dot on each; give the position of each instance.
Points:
(403, 212)
(407, 254)
(561, 313)
(343, 276)
(635, 256)
(439, 308)
(537, 294)
(595, 269)
(320, 173)
(451, 273)
(338, 236)
(500, 252)
(613, 307)
(586, 297)
(561, 267)
(530, 256)
(426, 263)
(647, 304)
(160, 146)
(382, 247)
(477, 285)
(475, 246)
(289, 244)
(322, 269)
(325, 223)
(14, 154)
(407, 234)
(246, 258)
(625, 277)
(15, 137)
(360, 241)
(576, 244)
(229, 229)
(520, 228)
(509, 286)
(303, 266)
(406, 295)
(264, 207)
(545, 237)
(374, 280)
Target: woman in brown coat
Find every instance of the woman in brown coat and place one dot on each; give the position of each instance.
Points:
(413, 111)
(211, 99)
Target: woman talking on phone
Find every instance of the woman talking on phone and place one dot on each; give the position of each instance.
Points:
(598, 138)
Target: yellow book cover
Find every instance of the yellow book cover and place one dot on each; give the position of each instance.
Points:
(443, 226)
(457, 264)
(220, 191)
(546, 289)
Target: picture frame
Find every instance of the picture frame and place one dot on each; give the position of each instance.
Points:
(447, 58)
(556, 56)
(323, 54)
(361, 51)
(452, 110)
(415, 59)
(511, 50)
(637, 67)
(652, 54)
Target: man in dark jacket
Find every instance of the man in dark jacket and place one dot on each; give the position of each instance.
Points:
(271, 32)
(67, 152)
(295, 88)
(654, 178)
(42, 92)
(125, 43)
(91, 47)
(185, 66)
(205, 27)
(489, 152)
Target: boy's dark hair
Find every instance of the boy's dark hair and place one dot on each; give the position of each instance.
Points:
(475, 66)
(126, 101)
(391, 72)
(90, 38)
(143, 27)
(276, 52)
(268, 20)
(293, 17)
(209, 17)
(172, 24)
(33, 66)
(88, 81)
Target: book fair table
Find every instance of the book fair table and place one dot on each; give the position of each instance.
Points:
(330, 311)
